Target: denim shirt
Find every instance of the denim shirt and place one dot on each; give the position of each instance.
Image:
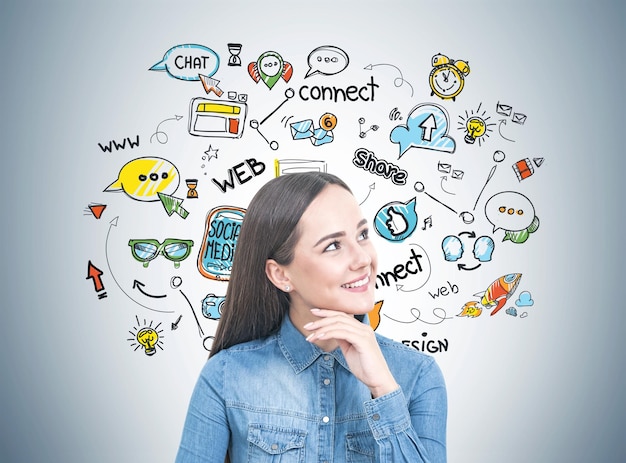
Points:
(283, 399)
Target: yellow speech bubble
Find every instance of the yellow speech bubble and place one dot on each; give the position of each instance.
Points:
(144, 178)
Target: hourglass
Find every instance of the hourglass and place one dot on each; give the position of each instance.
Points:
(234, 50)
(192, 183)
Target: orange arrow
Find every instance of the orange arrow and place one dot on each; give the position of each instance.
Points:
(97, 209)
(210, 85)
(94, 273)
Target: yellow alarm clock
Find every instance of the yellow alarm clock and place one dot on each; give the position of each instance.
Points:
(447, 78)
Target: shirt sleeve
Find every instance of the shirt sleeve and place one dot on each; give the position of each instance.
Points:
(205, 434)
(412, 431)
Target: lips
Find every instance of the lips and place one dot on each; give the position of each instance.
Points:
(357, 283)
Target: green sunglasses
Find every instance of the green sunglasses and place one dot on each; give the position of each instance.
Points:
(173, 249)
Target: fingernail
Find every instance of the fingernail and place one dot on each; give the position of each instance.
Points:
(310, 336)
(308, 325)
(315, 310)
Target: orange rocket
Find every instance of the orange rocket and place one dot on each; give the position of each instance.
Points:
(500, 291)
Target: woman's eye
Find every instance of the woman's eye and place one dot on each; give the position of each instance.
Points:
(332, 246)
(364, 234)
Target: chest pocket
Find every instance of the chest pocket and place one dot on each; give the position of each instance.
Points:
(273, 444)
(360, 447)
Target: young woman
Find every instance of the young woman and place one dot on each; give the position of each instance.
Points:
(295, 375)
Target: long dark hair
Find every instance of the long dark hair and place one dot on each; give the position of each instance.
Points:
(254, 308)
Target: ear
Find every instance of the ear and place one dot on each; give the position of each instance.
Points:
(277, 275)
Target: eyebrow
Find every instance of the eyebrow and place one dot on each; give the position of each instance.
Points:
(338, 234)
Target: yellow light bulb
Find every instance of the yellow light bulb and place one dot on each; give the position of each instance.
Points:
(148, 338)
(476, 127)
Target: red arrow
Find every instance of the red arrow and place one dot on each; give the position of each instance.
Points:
(97, 209)
(94, 272)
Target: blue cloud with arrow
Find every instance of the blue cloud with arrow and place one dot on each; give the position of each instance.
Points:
(426, 127)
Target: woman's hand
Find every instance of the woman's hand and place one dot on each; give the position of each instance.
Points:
(358, 344)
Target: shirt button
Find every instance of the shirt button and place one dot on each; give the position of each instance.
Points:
(325, 419)
(326, 382)
(376, 417)
(327, 357)
(274, 446)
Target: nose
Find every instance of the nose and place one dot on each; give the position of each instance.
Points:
(362, 256)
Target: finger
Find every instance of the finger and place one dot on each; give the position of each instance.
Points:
(341, 329)
(338, 320)
(323, 313)
(335, 314)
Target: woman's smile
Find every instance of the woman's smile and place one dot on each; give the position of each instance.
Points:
(358, 284)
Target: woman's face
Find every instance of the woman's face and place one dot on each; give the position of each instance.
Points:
(334, 265)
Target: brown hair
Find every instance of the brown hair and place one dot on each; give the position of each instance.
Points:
(254, 308)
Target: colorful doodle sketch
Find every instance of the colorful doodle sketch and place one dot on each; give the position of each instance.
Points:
(437, 206)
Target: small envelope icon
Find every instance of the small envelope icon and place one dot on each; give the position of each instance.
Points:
(302, 130)
(322, 137)
(503, 109)
(443, 167)
(457, 174)
(518, 118)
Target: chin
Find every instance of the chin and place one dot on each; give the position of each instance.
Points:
(361, 306)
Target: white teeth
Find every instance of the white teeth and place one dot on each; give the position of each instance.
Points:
(357, 284)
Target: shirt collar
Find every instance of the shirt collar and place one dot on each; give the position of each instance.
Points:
(298, 351)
